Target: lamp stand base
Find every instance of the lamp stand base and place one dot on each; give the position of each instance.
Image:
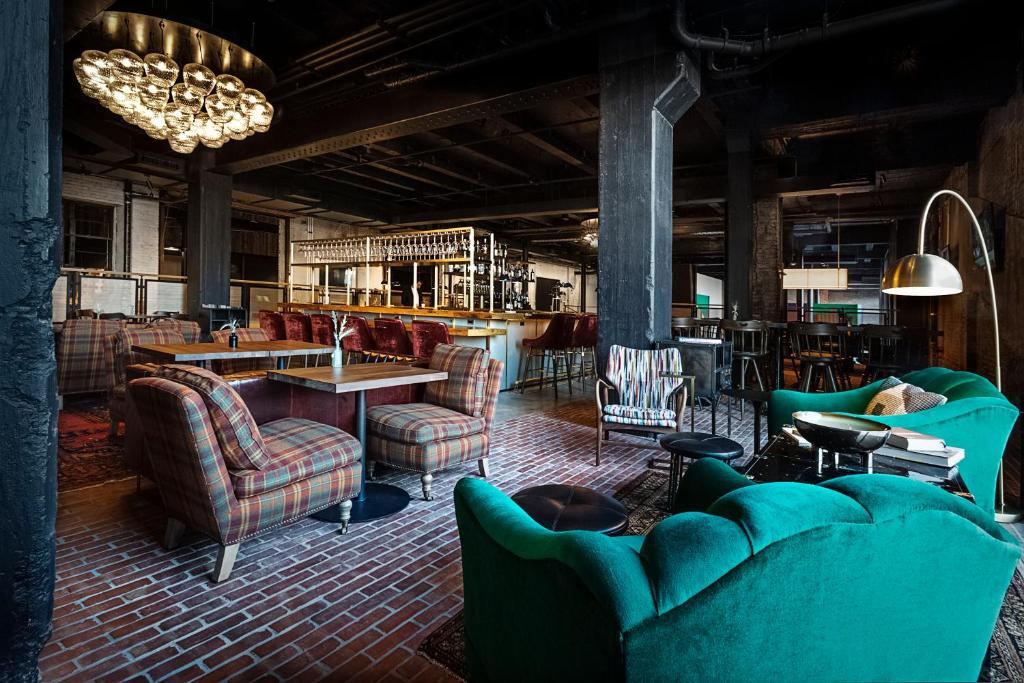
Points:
(1008, 515)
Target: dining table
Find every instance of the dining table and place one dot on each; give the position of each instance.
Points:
(375, 499)
(203, 352)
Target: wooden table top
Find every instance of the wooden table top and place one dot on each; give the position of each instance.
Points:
(357, 377)
(217, 350)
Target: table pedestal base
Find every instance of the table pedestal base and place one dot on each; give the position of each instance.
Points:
(380, 500)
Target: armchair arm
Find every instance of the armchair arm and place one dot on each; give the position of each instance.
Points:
(681, 394)
(601, 389)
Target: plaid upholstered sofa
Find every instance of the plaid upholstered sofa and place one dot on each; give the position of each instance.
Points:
(220, 474)
(451, 426)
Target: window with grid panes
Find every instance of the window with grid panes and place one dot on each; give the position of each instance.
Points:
(88, 235)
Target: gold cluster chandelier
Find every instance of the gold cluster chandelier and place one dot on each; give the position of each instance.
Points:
(203, 108)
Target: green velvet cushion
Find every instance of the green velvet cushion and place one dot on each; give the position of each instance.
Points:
(705, 481)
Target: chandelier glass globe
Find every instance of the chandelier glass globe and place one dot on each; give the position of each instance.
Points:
(230, 88)
(127, 66)
(161, 69)
(199, 77)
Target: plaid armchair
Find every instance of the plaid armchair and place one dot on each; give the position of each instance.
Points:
(220, 474)
(81, 355)
(450, 427)
(645, 392)
(124, 364)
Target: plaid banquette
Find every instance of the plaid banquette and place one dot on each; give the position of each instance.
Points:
(189, 329)
(309, 466)
(81, 355)
(232, 366)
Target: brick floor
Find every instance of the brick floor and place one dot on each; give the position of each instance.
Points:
(304, 603)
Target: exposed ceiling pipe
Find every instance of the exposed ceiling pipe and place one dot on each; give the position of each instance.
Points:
(826, 29)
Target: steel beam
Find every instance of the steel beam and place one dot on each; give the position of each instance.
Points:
(396, 114)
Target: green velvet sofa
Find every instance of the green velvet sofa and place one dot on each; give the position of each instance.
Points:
(976, 417)
(866, 577)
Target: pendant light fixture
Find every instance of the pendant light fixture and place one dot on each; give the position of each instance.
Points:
(821, 278)
(202, 108)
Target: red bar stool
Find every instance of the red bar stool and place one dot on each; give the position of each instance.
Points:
(323, 330)
(272, 323)
(392, 340)
(584, 343)
(426, 334)
(552, 346)
(359, 344)
(297, 327)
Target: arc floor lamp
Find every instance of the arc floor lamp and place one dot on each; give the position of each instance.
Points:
(924, 274)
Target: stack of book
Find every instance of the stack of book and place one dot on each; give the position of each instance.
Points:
(911, 446)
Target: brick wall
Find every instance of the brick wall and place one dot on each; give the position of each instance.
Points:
(765, 283)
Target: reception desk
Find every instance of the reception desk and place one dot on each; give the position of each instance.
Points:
(500, 333)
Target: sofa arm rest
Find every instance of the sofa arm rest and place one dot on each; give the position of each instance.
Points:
(706, 481)
(783, 403)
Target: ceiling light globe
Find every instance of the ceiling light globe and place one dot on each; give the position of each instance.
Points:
(249, 100)
(236, 123)
(127, 66)
(183, 141)
(161, 69)
(922, 275)
(218, 108)
(97, 64)
(230, 87)
(206, 128)
(199, 77)
(262, 114)
(177, 118)
(153, 94)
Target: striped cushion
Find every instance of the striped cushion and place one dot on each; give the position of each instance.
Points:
(420, 423)
(298, 449)
(429, 457)
(654, 417)
(902, 399)
(637, 375)
(467, 375)
(239, 438)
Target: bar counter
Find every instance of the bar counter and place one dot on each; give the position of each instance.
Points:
(501, 333)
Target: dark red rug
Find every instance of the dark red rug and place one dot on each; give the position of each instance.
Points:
(86, 455)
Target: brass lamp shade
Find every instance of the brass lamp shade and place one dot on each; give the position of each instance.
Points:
(922, 275)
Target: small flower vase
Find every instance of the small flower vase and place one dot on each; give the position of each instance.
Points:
(337, 356)
(233, 340)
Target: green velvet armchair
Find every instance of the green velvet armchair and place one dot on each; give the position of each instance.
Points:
(866, 577)
(976, 417)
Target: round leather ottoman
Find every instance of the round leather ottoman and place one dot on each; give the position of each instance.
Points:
(695, 445)
(562, 507)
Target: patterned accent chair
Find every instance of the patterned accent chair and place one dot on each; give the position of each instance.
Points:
(358, 345)
(272, 323)
(426, 335)
(648, 391)
(124, 364)
(235, 366)
(81, 355)
(451, 426)
(220, 474)
(392, 340)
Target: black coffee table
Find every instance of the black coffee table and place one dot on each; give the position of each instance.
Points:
(783, 460)
(564, 507)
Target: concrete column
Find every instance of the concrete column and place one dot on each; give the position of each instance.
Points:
(208, 257)
(739, 223)
(645, 88)
(30, 253)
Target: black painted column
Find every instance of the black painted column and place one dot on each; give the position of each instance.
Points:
(208, 258)
(646, 86)
(30, 246)
(739, 227)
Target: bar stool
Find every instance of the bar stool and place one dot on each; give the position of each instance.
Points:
(553, 345)
(297, 327)
(426, 334)
(819, 347)
(360, 343)
(323, 331)
(686, 327)
(392, 341)
(709, 327)
(272, 323)
(886, 350)
(584, 342)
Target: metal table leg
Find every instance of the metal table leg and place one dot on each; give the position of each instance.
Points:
(374, 500)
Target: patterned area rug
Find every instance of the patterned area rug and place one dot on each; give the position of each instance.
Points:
(86, 455)
(646, 498)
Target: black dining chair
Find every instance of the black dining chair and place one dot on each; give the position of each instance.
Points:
(820, 351)
(749, 340)
(885, 350)
(686, 327)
